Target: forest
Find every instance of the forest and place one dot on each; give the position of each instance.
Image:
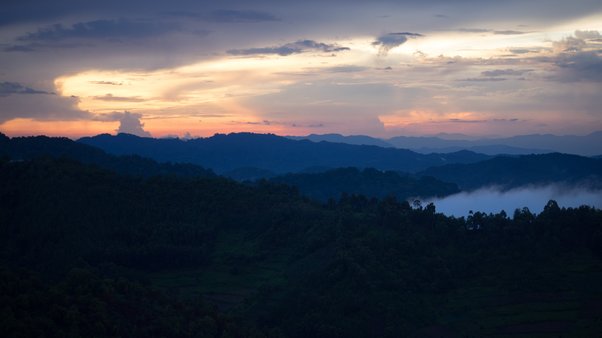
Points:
(90, 249)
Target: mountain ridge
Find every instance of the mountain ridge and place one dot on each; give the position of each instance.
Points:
(224, 153)
(586, 145)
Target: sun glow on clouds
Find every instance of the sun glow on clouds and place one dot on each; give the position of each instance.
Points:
(213, 95)
(203, 82)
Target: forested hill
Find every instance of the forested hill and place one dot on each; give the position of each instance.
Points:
(368, 182)
(224, 153)
(26, 148)
(510, 172)
(90, 253)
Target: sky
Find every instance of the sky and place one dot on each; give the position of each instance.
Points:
(379, 68)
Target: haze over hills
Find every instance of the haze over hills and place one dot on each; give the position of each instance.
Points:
(588, 145)
(224, 153)
(510, 172)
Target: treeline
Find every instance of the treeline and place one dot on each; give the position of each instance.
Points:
(26, 148)
(369, 182)
(86, 251)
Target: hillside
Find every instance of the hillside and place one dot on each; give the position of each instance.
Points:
(93, 253)
(509, 172)
(371, 183)
(26, 148)
(225, 153)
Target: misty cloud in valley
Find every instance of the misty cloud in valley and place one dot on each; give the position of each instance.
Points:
(493, 200)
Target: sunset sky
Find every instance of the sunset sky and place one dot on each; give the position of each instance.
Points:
(380, 68)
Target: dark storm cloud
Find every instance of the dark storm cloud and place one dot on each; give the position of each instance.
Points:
(297, 47)
(100, 29)
(391, 40)
(9, 88)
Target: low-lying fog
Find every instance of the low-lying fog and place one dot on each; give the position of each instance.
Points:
(492, 200)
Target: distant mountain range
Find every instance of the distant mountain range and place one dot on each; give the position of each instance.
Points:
(588, 145)
(276, 154)
(320, 170)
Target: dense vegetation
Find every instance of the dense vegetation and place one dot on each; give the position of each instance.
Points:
(368, 182)
(88, 252)
(24, 148)
(511, 172)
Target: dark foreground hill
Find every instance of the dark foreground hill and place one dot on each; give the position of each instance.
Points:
(510, 172)
(26, 148)
(225, 153)
(86, 252)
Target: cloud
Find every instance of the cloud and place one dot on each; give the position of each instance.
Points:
(39, 107)
(587, 35)
(346, 69)
(456, 120)
(34, 46)
(9, 88)
(227, 16)
(19, 48)
(301, 46)
(569, 44)
(486, 30)
(581, 66)
(240, 16)
(111, 97)
(508, 32)
(129, 123)
(112, 83)
(483, 79)
(100, 29)
(494, 200)
(505, 72)
(389, 41)
(578, 58)
(521, 51)
(473, 30)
